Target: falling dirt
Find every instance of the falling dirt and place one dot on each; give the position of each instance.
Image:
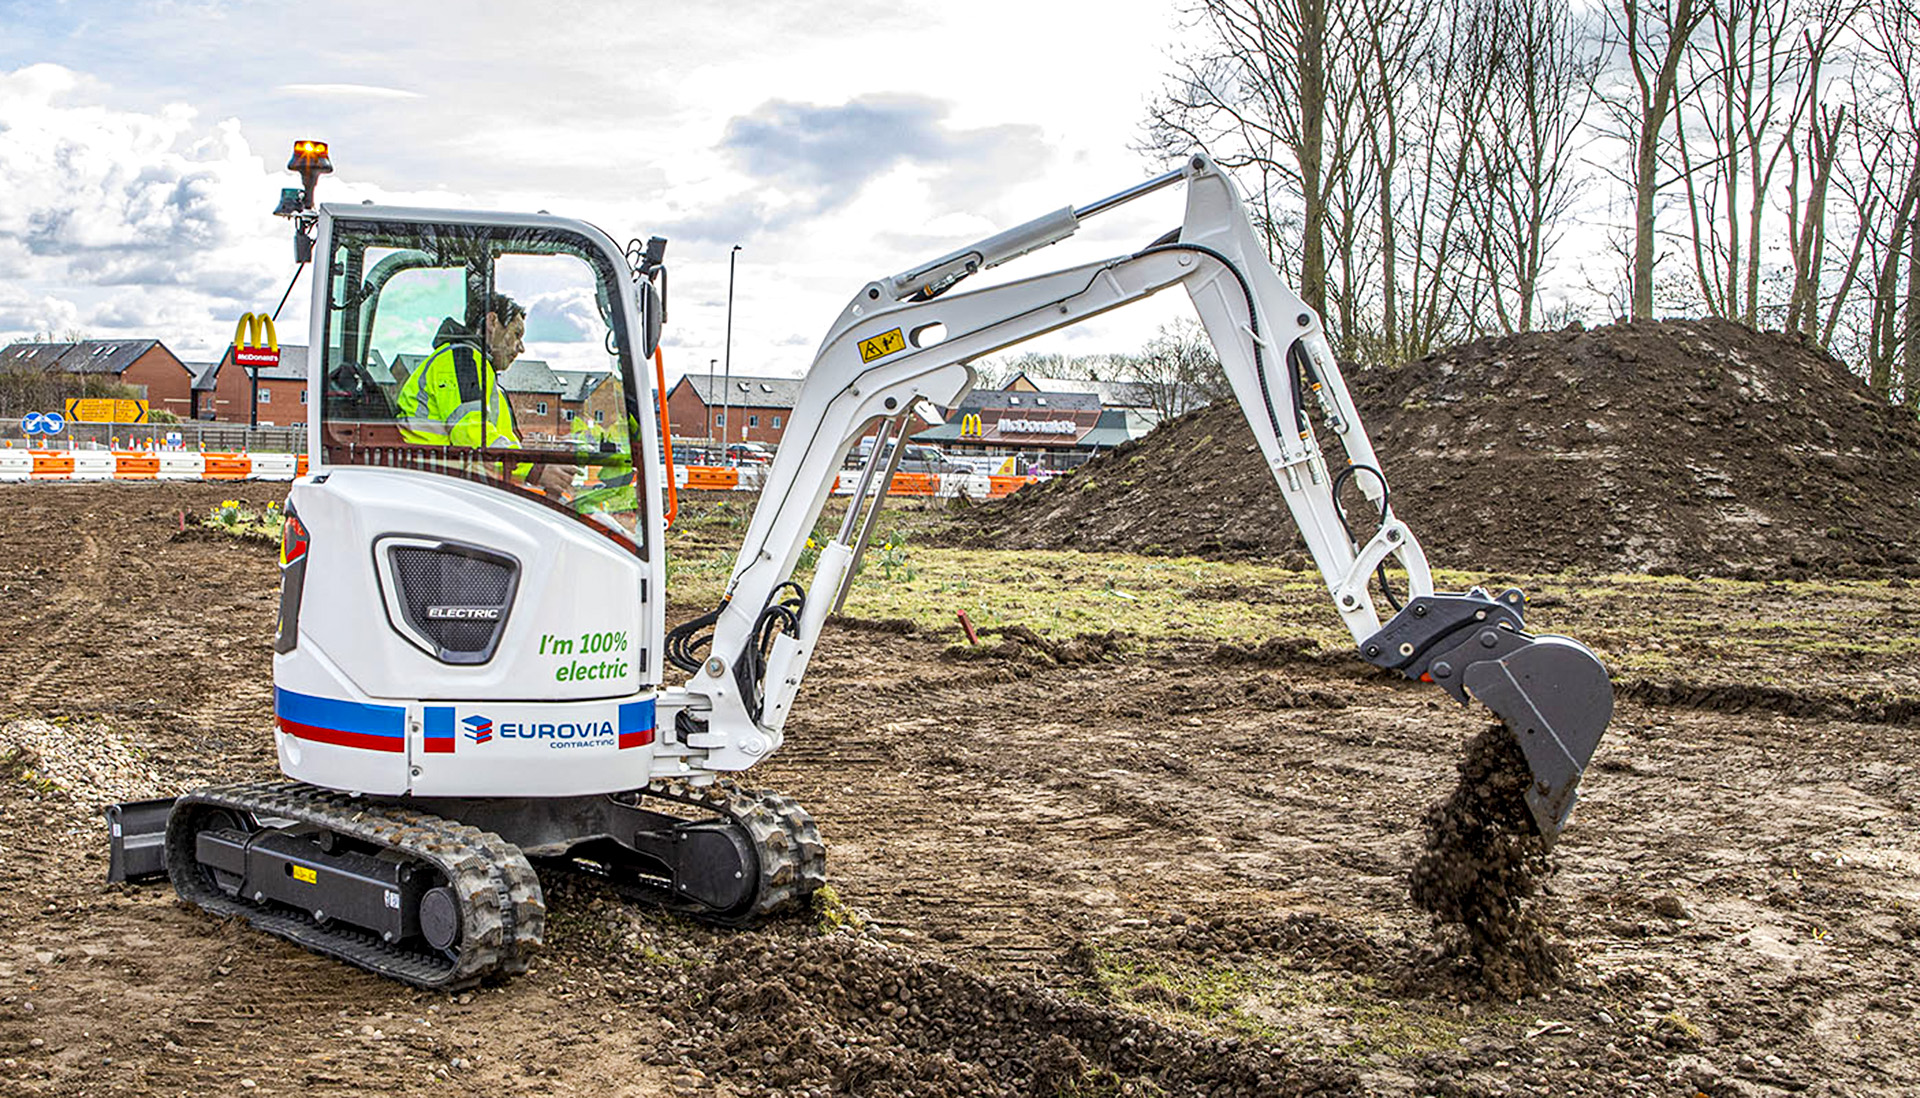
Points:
(1483, 861)
(1696, 447)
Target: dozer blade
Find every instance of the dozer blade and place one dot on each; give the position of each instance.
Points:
(1555, 696)
(136, 840)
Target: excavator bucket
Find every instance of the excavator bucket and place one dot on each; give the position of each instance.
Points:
(1555, 697)
(1551, 691)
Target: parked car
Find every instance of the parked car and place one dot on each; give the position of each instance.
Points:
(749, 453)
(918, 458)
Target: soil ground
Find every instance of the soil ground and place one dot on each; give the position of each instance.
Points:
(1138, 864)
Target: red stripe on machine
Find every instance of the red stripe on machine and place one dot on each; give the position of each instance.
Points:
(340, 738)
(636, 739)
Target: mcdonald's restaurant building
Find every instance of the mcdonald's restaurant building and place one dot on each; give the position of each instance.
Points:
(1057, 429)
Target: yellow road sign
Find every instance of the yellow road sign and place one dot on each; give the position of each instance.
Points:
(106, 410)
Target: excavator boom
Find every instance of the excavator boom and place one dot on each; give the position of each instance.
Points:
(904, 342)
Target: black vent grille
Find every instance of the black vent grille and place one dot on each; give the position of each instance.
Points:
(456, 596)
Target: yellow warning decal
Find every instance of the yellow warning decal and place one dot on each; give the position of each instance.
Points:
(302, 873)
(882, 345)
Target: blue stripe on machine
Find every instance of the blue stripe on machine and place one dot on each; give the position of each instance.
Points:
(636, 716)
(341, 716)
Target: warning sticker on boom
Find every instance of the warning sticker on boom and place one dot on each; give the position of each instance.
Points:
(882, 345)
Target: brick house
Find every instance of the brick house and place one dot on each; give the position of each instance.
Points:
(223, 392)
(760, 409)
(602, 405)
(578, 385)
(534, 392)
(143, 365)
(757, 408)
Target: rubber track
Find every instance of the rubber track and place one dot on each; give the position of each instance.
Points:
(502, 912)
(791, 858)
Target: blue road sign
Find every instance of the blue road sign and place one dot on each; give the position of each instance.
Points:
(56, 423)
(33, 423)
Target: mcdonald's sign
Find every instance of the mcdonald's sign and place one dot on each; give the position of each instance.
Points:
(970, 425)
(254, 341)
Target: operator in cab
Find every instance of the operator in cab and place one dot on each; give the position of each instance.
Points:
(455, 398)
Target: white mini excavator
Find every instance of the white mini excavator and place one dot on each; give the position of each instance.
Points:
(470, 666)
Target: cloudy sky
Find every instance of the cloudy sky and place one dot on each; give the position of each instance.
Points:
(142, 146)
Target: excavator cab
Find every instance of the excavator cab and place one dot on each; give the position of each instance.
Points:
(498, 353)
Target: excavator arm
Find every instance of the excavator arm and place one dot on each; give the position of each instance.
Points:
(904, 344)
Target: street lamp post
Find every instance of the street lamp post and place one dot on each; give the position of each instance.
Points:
(726, 429)
(711, 363)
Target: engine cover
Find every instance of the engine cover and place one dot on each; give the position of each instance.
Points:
(458, 640)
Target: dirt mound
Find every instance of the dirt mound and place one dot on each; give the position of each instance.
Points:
(1483, 861)
(839, 1014)
(1700, 447)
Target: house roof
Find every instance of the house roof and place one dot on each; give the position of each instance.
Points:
(292, 367)
(531, 375)
(745, 391)
(1113, 394)
(1002, 400)
(88, 356)
(1100, 429)
(526, 375)
(580, 384)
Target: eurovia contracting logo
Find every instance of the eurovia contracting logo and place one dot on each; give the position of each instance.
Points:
(479, 729)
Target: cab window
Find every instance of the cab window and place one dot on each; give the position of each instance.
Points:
(451, 349)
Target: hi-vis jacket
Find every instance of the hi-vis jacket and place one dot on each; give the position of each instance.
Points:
(442, 403)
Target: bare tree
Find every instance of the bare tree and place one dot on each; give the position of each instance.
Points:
(1750, 62)
(1449, 101)
(1178, 369)
(1254, 95)
(1539, 89)
(1807, 218)
(1653, 34)
(1882, 180)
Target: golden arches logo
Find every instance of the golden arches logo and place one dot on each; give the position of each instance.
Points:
(970, 425)
(255, 343)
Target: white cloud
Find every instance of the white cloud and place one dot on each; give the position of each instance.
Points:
(125, 217)
(836, 142)
(349, 91)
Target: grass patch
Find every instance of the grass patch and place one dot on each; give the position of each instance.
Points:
(1847, 633)
(831, 913)
(1333, 1013)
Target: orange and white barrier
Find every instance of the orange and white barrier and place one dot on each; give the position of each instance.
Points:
(16, 465)
(91, 465)
(52, 464)
(135, 465)
(274, 466)
(182, 465)
(19, 465)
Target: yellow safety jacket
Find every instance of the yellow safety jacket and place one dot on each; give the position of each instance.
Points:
(441, 404)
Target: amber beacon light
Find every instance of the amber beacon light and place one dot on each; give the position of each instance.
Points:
(310, 160)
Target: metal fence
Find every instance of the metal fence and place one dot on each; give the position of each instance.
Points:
(223, 437)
